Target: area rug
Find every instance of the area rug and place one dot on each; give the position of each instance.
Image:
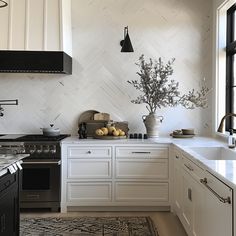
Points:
(88, 226)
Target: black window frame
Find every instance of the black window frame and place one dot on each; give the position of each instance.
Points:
(230, 52)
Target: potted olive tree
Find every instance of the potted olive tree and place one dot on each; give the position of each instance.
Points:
(157, 91)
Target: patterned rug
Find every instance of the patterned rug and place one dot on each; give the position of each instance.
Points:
(88, 226)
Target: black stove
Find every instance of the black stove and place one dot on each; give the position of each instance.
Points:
(41, 175)
(37, 145)
(40, 138)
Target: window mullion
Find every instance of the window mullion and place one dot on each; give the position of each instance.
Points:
(230, 52)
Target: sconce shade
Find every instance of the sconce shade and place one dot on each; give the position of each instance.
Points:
(3, 4)
(126, 43)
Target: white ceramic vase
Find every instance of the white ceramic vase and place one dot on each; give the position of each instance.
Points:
(152, 123)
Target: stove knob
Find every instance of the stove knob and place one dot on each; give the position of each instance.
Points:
(22, 150)
(53, 149)
(32, 149)
(39, 149)
(46, 149)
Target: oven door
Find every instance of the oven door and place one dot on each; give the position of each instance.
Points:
(40, 181)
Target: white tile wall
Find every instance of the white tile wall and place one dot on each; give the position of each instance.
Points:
(166, 28)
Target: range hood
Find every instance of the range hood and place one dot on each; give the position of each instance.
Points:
(35, 62)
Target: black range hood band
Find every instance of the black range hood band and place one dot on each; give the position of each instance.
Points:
(35, 62)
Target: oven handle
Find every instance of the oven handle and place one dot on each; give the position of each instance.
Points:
(42, 162)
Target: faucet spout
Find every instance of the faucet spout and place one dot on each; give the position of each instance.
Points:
(220, 128)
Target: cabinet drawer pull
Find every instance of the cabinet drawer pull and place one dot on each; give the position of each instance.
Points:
(189, 167)
(222, 199)
(32, 196)
(177, 157)
(141, 152)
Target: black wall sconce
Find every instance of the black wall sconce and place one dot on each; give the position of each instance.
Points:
(3, 3)
(126, 43)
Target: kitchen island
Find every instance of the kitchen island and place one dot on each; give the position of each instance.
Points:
(10, 166)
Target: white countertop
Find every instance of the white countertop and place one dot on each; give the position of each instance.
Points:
(7, 160)
(76, 140)
(196, 141)
(224, 169)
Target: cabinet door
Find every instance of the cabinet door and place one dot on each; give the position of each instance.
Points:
(177, 183)
(218, 215)
(9, 222)
(198, 199)
(193, 199)
(187, 203)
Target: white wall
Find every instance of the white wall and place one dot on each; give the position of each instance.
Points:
(168, 28)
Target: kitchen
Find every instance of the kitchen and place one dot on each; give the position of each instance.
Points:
(100, 72)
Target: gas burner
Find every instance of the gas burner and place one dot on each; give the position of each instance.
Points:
(41, 138)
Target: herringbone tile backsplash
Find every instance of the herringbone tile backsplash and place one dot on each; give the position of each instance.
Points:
(168, 28)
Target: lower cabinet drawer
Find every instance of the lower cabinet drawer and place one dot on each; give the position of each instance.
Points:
(89, 192)
(89, 168)
(142, 168)
(141, 192)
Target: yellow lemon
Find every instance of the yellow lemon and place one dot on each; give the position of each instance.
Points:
(104, 130)
(111, 129)
(116, 133)
(99, 132)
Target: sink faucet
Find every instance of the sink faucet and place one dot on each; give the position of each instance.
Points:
(220, 128)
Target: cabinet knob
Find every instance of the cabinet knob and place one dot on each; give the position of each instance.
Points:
(177, 157)
(89, 152)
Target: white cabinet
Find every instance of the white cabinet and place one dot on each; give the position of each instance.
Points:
(218, 207)
(43, 25)
(202, 202)
(115, 176)
(86, 176)
(192, 211)
(141, 175)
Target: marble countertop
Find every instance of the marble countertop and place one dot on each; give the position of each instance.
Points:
(76, 140)
(7, 160)
(223, 169)
(196, 141)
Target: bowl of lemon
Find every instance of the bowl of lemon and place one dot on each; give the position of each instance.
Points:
(110, 133)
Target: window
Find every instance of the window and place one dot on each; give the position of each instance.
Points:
(231, 67)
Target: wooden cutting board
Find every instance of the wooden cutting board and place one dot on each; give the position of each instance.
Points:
(101, 116)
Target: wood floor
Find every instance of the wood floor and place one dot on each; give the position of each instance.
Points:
(167, 223)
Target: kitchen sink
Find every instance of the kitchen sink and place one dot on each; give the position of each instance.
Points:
(215, 153)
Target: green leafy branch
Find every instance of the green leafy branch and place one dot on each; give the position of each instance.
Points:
(157, 91)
